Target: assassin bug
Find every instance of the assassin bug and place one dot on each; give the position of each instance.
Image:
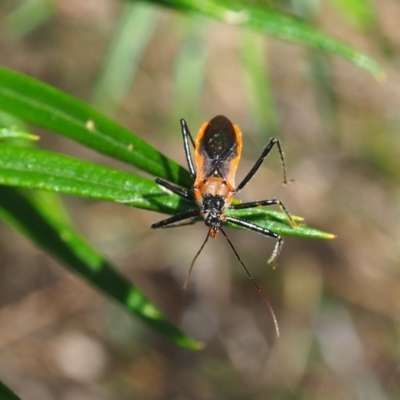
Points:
(218, 148)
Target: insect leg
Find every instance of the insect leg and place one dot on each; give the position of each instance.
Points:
(254, 283)
(263, 231)
(186, 136)
(175, 189)
(269, 202)
(175, 218)
(260, 160)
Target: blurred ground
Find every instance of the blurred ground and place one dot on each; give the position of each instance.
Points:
(337, 302)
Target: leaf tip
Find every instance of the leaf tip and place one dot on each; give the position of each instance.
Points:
(370, 65)
(381, 76)
(330, 236)
(200, 346)
(188, 343)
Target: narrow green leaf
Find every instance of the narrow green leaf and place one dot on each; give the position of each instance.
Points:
(272, 21)
(28, 16)
(6, 393)
(57, 238)
(277, 221)
(190, 62)
(38, 169)
(361, 13)
(258, 83)
(45, 106)
(137, 21)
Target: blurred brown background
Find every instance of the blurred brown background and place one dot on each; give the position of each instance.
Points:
(337, 302)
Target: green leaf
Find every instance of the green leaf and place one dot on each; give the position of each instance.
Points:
(282, 25)
(34, 220)
(28, 16)
(190, 62)
(39, 169)
(277, 221)
(361, 13)
(45, 106)
(258, 83)
(6, 393)
(124, 55)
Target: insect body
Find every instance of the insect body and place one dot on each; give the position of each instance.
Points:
(218, 149)
(217, 152)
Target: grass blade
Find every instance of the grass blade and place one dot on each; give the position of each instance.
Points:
(278, 23)
(58, 239)
(45, 106)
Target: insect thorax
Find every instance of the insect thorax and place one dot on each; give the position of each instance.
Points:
(213, 195)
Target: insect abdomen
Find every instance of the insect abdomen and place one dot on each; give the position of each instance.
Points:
(218, 146)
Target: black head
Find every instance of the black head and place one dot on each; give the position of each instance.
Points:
(213, 208)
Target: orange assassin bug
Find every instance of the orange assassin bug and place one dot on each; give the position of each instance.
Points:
(218, 149)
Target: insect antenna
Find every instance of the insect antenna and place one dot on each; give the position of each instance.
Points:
(264, 297)
(195, 258)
